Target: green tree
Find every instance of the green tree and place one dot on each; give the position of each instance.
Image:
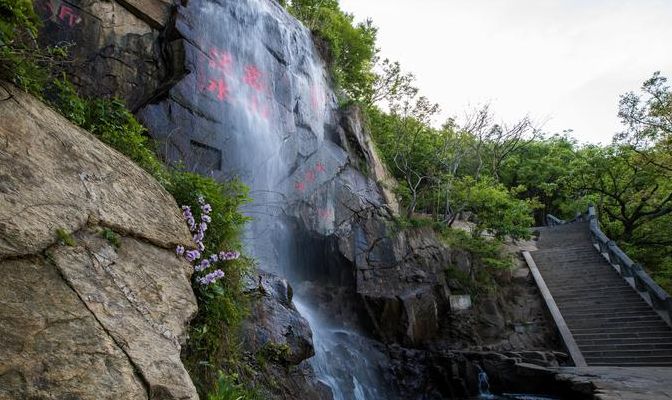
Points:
(632, 189)
(350, 47)
(496, 209)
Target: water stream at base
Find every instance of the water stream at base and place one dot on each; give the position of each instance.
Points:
(344, 360)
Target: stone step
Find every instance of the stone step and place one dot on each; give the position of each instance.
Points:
(605, 309)
(625, 340)
(631, 354)
(581, 290)
(581, 262)
(563, 257)
(625, 301)
(631, 328)
(592, 315)
(613, 289)
(623, 358)
(579, 275)
(665, 347)
(631, 364)
(579, 270)
(608, 320)
(623, 294)
(569, 284)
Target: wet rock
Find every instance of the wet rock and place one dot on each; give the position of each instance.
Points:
(274, 320)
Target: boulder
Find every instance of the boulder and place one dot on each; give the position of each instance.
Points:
(275, 321)
(83, 316)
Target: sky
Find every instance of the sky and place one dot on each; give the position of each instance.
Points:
(562, 62)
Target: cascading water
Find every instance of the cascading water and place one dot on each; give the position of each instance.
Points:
(257, 106)
(483, 384)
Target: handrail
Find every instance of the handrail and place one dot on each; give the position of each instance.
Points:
(631, 271)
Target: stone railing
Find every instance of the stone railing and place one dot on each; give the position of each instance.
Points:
(632, 272)
(552, 220)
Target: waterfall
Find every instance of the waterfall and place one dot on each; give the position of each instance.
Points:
(256, 105)
(483, 384)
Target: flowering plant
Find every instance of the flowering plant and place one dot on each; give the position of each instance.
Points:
(196, 256)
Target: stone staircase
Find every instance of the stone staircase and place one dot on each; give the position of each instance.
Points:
(610, 322)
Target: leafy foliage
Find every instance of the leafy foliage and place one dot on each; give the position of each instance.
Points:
(22, 61)
(350, 46)
(111, 237)
(65, 237)
(111, 121)
(229, 388)
(488, 260)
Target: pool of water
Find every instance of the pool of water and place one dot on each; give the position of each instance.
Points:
(513, 396)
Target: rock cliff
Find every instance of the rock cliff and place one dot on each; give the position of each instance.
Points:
(82, 316)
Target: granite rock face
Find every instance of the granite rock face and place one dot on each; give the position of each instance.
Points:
(115, 46)
(82, 316)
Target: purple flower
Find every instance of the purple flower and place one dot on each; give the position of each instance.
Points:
(203, 226)
(206, 209)
(211, 277)
(192, 255)
(191, 222)
(214, 258)
(228, 255)
(203, 265)
(179, 250)
(198, 237)
(206, 218)
(201, 246)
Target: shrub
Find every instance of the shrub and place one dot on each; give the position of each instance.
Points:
(111, 237)
(22, 61)
(65, 237)
(111, 121)
(488, 259)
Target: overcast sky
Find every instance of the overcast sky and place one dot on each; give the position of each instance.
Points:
(561, 61)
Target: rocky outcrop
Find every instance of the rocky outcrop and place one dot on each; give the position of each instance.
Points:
(93, 302)
(275, 322)
(115, 46)
(277, 339)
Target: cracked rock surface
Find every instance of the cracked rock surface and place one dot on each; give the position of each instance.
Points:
(91, 320)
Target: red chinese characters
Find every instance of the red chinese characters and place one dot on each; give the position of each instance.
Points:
(221, 60)
(61, 13)
(219, 75)
(325, 213)
(310, 176)
(214, 78)
(253, 78)
(219, 87)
